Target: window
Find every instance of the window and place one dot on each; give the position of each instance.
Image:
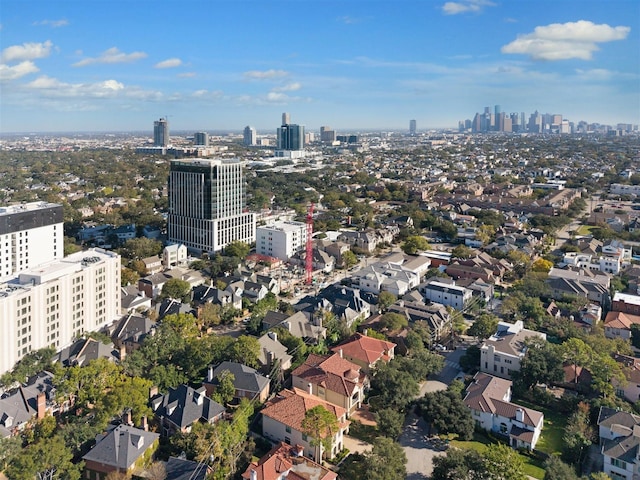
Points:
(616, 462)
(287, 429)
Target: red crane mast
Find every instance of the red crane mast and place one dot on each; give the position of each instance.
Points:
(308, 266)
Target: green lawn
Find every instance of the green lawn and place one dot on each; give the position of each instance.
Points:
(554, 426)
(480, 442)
(585, 229)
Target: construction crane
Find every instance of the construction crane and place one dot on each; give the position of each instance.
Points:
(308, 267)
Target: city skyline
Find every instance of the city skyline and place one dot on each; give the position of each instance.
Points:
(113, 66)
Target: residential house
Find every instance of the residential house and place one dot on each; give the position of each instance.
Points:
(618, 324)
(246, 380)
(501, 354)
(34, 400)
(183, 406)
(333, 379)
(84, 350)
(387, 277)
(435, 314)
(153, 264)
(619, 434)
(123, 449)
(225, 298)
(174, 255)
(272, 353)
(365, 351)
(301, 324)
(130, 331)
(630, 390)
(458, 271)
(151, 285)
(489, 399)
(446, 294)
(282, 420)
(131, 302)
(626, 303)
(287, 462)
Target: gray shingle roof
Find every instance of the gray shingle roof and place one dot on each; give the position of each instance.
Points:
(121, 447)
(245, 378)
(184, 406)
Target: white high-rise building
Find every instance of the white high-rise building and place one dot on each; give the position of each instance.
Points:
(53, 303)
(30, 234)
(281, 239)
(207, 204)
(161, 133)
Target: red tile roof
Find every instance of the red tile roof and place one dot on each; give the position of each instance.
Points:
(366, 349)
(331, 372)
(283, 458)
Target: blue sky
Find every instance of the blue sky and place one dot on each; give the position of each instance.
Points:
(96, 65)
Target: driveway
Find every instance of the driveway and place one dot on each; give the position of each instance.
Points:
(356, 446)
(419, 453)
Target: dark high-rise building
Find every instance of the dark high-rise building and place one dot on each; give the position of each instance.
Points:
(290, 136)
(412, 127)
(207, 205)
(161, 133)
(201, 139)
(249, 137)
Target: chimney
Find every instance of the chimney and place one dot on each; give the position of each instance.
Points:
(309, 389)
(271, 358)
(41, 403)
(153, 391)
(253, 475)
(144, 423)
(519, 415)
(126, 419)
(210, 374)
(123, 352)
(340, 352)
(299, 449)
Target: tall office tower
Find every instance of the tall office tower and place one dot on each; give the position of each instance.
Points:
(161, 133)
(207, 205)
(291, 137)
(412, 127)
(556, 119)
(286, 118)
(30, 234)
(535, 123)
(506, 123)
(249, 137)
(476, 123)
(500, 120)
(523, 123)
(327, 135)
(487, 110)
(201, 139)
(54, 303)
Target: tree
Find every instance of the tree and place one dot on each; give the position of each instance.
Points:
(128, 277)
(385, 461)
(579, 435)
(177, 289)
(225, 389)
(541, 265)
(577, 353)
(139, 248)
(320, 425)
(48, 458)
(245, 350)
(28, 366)
(484, 326)
(635, 335)
(471, 359)
(393, 388)
(237, 249)
(9, 447)
(349, 259)
(415, 244)
(393, 321)
(447, 413)
(385, 300)
(502, 462)
(209, 314)
(389, 422)
(458, 464)
(542, 363)
(462, 251)
(556, 469)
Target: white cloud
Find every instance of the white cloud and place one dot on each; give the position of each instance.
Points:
(53, 23)
(207, 95)
(349, 20)
(290, 87)
(277, 97)
(16, 71)
(26, 51)
(265, 74)
(562, 41)
(55, 88)
(169, 63)
(113, 55)
(467, 6)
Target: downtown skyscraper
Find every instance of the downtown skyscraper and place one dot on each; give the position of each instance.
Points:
(161, 133)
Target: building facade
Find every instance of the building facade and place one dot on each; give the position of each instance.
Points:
(161, 133)
(54, 303)
(30, 234)
(201, 139)
(207, 205)
(281, 239)
(249, 137)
